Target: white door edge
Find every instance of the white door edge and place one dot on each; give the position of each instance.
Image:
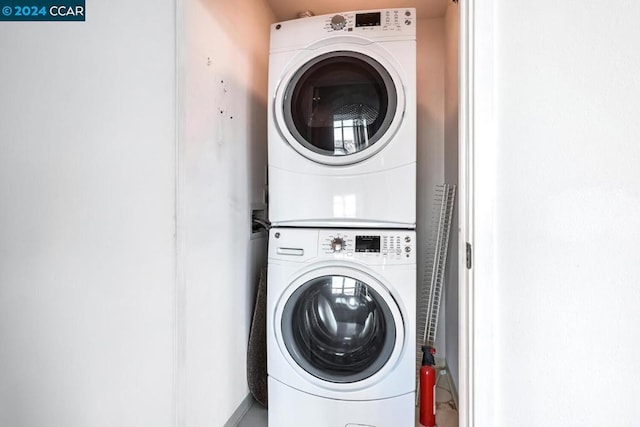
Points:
(477, 154)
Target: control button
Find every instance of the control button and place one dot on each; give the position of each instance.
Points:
(407, 249)
(338, 22)
(407, 239)
(407, 13)
(337, 244)
(407, 22)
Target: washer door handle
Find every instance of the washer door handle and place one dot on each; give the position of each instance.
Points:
(290, 251)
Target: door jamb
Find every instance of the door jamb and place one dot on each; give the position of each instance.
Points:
(477, 195)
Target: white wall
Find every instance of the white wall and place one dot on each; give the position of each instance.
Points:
(567, 205)
(87, 165)
(223, 60)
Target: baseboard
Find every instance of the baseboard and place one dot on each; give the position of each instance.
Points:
(240, 411)
(452, 387)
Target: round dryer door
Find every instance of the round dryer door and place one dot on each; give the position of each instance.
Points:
(341, 107)
(340, 329)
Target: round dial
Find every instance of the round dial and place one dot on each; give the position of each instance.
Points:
(338, 22)
(337, 244)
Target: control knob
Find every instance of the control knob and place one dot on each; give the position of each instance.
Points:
(338, 22)
(337, 244)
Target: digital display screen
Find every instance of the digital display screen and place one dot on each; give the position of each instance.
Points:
(367, 243)
(368, 19)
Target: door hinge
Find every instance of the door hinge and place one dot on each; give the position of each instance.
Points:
(469, 253)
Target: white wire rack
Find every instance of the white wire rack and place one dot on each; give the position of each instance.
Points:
(430, 292)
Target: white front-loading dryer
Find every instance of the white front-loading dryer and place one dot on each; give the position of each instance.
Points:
(342, 120)
(341, 327)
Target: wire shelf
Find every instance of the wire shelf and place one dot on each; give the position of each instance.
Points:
(430, 292)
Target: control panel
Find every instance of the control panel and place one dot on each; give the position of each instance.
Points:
(387, 20)
(375, 25)
(380, 245)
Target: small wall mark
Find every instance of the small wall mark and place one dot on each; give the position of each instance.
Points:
(223, 99)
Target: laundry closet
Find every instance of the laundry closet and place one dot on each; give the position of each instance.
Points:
(227, 95)
(133, 166)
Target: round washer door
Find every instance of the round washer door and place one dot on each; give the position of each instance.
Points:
(340, 106)
(342, 327)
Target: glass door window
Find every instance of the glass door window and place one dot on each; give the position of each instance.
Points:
(338, 329)
(340, 103)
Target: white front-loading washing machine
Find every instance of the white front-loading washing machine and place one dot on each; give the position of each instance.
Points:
(341, 327)
(342, 120)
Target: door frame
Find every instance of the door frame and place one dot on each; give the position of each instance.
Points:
(477, 195)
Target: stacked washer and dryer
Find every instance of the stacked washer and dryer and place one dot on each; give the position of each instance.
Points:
(341, 284)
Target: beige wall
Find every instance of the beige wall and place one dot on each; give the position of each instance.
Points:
(431, 141)
(451, 176)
